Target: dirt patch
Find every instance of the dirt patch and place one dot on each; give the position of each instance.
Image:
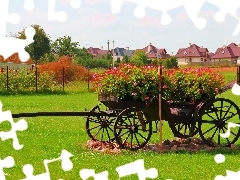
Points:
(189, 145)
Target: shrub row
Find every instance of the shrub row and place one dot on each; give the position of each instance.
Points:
(24, 81)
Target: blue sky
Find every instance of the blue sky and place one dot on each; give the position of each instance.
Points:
(93, 24)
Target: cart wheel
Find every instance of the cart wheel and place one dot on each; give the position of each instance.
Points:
(213, 121)
(184, 129)
(99, 127)
(132, 129)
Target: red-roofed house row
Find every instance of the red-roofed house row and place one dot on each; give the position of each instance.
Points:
(193, 53)
(229, 53)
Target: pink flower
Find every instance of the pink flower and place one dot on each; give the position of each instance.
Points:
(135, 84)
(164, 87)
(146, 98)
(134, 94)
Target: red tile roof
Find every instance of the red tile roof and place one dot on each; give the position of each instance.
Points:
(192, 51)
(230, 51)
(97, 51)
(151, 52)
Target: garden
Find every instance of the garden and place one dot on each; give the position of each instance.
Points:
(47, 136)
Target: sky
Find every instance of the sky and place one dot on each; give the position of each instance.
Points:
(93, 24)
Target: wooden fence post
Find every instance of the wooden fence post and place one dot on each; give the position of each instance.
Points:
(7, 78)
(160, 103)
(63, 78)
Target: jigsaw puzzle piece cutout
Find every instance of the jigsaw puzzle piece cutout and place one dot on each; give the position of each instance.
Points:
(53, 15)
(139, 11)
(87, 173)
(12, 45)
(227, 7)
(21, 125)
(75, 4)
(230, 175)
(193, 8)
(116, 5)
(13, 18)
(28, 171)
(137, 167)
(67, 165)
(29, 5)
(8, 162)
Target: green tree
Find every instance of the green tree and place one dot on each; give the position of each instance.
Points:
(170, 62)
(125, 59)
(173, 61)
(48, 57)
(84, 57)
(64, 46)
(139, 58)
(41, 44)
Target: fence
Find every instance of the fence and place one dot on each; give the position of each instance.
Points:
(8, 80)
(213, 63)
(15, 66)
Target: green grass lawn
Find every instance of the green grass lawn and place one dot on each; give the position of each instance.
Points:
(46, 137)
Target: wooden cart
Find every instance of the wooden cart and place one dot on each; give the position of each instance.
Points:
(131, 123)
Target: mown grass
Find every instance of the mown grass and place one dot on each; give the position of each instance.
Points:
(47, 136)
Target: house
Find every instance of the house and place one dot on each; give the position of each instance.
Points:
(193, 53)
(153, 53)
(121, 52)
(97, 52)
(230, 53)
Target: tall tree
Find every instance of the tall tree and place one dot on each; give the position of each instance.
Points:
(139, 58)
(83, 57)
(125, 59)
(64, 46)
(41, 44)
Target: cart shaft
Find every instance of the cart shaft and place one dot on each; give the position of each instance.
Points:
(37, 114)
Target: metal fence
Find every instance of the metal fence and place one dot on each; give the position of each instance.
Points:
(62, 83)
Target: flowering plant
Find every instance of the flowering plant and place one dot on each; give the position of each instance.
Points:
(188, 84)
(130, 82)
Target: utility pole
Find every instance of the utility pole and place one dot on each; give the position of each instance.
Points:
(113, 52)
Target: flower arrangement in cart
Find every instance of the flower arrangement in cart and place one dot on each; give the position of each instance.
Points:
(141, 83)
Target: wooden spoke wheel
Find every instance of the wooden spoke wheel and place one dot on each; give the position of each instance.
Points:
(183, 125)
(214, 117)
(184, 129)
(132, 129)
(100, 127)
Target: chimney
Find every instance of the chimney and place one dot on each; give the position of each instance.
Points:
(190, 44)
(149, 47)
(201, 46)
(127, 48)
(172, 53)
(224, 46)
(101, 47)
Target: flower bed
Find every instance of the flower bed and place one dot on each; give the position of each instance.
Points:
(130, 82)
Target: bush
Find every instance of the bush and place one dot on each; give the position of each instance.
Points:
(72, 71)
(24, 81)
(170, 63)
